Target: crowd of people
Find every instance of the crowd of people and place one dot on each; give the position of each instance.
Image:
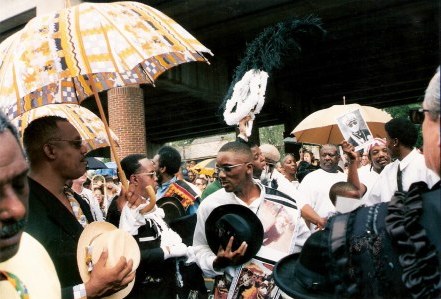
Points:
(45, 201)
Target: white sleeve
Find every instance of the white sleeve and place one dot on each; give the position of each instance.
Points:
(303, 233)
(374, 194)
(304, 194)
(203, 255)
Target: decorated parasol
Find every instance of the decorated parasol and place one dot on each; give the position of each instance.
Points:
(71, 54)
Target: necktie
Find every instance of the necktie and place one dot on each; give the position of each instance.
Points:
(400, 179)
(78, 212)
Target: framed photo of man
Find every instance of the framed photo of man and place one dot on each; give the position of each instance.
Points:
(354, 129)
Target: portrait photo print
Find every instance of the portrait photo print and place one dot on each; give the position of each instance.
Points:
(354, 129)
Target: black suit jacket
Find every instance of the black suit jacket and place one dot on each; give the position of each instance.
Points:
(58, 231)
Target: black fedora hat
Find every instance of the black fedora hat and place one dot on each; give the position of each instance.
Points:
(238, 221)
(172, 207)
(304, 275)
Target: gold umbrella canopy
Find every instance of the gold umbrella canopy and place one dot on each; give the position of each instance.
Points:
(69, 55)
(205, 167)
(57, 57)
(89, 126)
(321, 126)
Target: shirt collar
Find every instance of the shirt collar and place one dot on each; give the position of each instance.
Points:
(406, 160)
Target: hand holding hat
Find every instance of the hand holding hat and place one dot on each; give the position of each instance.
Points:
(234, 233)
(107, 258)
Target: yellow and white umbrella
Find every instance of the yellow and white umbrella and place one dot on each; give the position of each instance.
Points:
(205, 167)
(71, 54)
(63, 56)
(89, 125)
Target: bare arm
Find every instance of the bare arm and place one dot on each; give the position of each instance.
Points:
(311, 216)
(353, 168)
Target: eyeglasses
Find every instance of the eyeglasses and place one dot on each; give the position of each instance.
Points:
(152, 174)
(76, 143)
(227, 168)
(417, 115)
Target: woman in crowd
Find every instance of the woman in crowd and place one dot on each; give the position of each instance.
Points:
(289, 166)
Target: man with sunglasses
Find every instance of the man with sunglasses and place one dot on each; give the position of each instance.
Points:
(408, 167)
(160, 246)
(235, 170)
(57, 215)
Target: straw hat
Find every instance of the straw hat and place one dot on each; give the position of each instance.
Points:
(34, 269)
(99, 235)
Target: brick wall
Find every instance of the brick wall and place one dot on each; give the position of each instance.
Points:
(127, 119)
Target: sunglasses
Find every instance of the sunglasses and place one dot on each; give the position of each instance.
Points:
(152, 174)
(227, 168)
(417, 115)
(76, 143)
(352, 123)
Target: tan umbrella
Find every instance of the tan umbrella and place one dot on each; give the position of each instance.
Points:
(321, 126)
(90, 126)
(71, 54)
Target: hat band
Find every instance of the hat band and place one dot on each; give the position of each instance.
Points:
(16, 283)
(89, 251)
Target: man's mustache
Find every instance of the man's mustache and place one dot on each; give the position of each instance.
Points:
(12, 229)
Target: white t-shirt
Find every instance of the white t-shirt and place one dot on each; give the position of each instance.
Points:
(314, 190)
(413, 169)
(368, 177)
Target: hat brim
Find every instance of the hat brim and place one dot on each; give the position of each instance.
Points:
(90, 232)
(173, 209)
(286, 278)
(214, 241)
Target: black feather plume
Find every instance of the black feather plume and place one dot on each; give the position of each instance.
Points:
(270, 48)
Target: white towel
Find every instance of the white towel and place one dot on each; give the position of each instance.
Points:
(131, 219)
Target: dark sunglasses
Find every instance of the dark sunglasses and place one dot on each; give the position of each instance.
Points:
(76, 143)
(417, 115)
(227, 168)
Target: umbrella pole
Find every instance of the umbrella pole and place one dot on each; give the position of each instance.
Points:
(121, 173)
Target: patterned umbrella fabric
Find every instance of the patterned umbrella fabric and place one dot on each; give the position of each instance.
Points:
(90, 126)
(56, 58)
(321, 126)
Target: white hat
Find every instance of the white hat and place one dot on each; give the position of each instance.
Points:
(99, 235)
(34, 269)
(270, 152)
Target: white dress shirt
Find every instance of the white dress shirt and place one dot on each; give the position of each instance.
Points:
(202, 253)
(413, 168)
